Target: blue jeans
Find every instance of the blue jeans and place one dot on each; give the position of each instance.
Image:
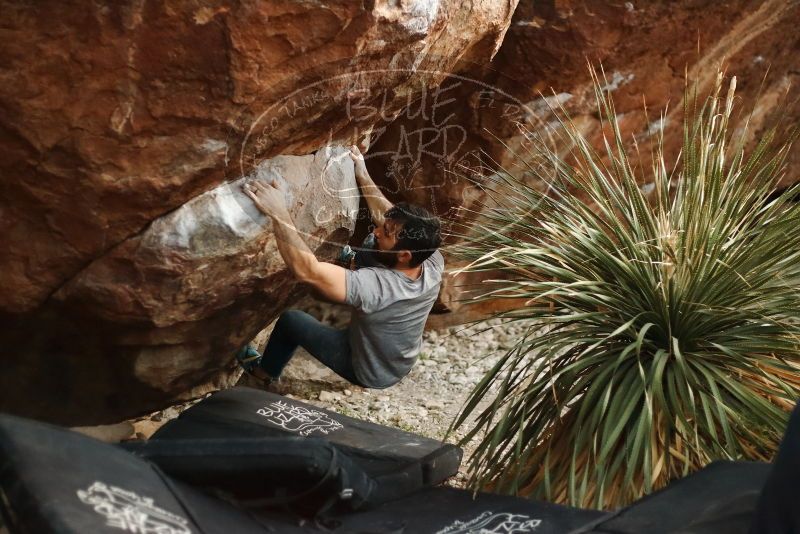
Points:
(296, 328)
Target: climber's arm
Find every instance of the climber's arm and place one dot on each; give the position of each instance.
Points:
(377, 203)
(326, 278)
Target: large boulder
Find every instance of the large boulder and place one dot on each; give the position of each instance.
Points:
(131, 266)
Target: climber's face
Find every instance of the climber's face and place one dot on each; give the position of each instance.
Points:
(386, 237)
(386, 234)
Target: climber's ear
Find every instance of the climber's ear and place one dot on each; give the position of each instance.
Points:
(404, 256)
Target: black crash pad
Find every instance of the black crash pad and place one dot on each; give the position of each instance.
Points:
(778, 510)
(53, 480)
(452, 511)
(379, 450)
(56, 481)
(720, 498)
(307, 475)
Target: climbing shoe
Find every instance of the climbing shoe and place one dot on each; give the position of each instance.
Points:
(248, 358)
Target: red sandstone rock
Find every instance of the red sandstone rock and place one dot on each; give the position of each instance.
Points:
(646, 50)
(113, 116)
(128, 275)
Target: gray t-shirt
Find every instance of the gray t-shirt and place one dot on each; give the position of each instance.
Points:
(389, 316)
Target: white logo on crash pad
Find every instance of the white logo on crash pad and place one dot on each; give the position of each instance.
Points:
(298, 419)
(127, 511)
(491, 523)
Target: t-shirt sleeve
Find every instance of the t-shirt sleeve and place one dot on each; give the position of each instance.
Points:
(437, 261)
(364, 289)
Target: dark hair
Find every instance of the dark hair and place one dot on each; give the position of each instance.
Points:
(420, 234)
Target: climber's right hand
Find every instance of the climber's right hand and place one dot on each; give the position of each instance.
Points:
(269, 198)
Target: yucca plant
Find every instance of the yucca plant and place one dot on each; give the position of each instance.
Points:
(663, 322)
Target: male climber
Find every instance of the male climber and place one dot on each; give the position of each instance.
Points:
(391, 300)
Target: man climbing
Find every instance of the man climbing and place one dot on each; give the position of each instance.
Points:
(391, 301)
